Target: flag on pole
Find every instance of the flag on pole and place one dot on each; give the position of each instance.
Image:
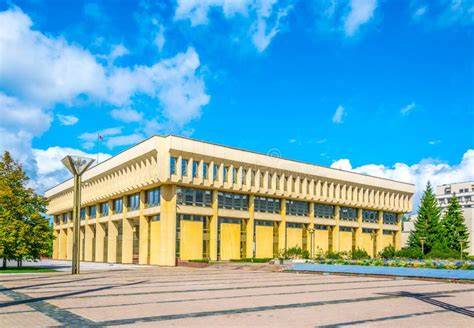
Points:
(99, 139)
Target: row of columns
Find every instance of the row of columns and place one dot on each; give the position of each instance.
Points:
(167, 239)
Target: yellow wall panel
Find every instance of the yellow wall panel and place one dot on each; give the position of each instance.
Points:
(154, 241)
(345, 241)
(191, 240)
(230, 241)
(264, 241)
(294, 237)
(387, 240)
(321, 240)
(368, 243)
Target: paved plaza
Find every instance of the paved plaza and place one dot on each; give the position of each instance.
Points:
(229, 295)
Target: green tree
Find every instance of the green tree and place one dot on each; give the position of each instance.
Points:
(454, 226)
(24, 231)
(427, 224)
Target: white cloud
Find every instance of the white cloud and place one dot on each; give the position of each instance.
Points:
(321, 141)
(434, 142)
(420, 11)
(444, 13)
(262, 33)
(67, 119)
(50, 170)
(265, 16)
(292, 140)
(361, 12)
(338, 115)
(123, 140)
(407, 109)
(127, 115)
(160, 38)
(38, 71)
(437, 172)
(90, 138)
(196, 11)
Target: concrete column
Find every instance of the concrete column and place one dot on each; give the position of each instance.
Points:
(398, 234)
(250, 228)
(282, 227)
(70, 237)
(144, 232)
(127, 234)
(111, 236)
(335, 230)
(168, 226)
(359, 229)
(379, 241)
(213, 225)
(99, 241)
(311, 226)
(55, 242)
(88, 238)
(62, 252)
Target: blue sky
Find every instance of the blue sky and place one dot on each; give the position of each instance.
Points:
(357, 84)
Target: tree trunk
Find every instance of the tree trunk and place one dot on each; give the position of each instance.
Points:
(4, 266)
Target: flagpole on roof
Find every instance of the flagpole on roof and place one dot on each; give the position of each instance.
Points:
(98, 141)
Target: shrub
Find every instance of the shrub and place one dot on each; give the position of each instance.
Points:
(199, 261)
(333, 255)
(359, 254)
(388, 252)
(442, 252)
(254, 260)
(410, 253)
(295, 253)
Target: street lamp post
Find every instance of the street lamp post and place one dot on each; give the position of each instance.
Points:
(77, 166)
(422, 241)
(311, 239)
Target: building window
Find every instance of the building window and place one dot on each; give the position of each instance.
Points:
(133, 202)
(117, 205)
(215, 172)
(348, 214)
(92, 212)
(233, 201)
(184, 167)
(261, 180)
(387, 232)
(195, 169)
(389, 218)
(252, 178)
(369, 216)
(205, 171)
(153, 197)
(294, 225)
(324, 211)
(321, 227)
(345, 229)
(155, 218)
(242, 177)
(234, 175)
(266, 223)
(297, 208)
(173, 161)
(367, 230)
(104, 208)
(267, 205)
(194, 197)
(83, 213)
(226, 174)
(65, 217)
(447, 191)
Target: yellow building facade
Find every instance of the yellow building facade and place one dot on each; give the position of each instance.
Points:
(172, 198)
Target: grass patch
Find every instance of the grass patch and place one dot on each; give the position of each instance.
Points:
(251, 260)
(26, 270)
